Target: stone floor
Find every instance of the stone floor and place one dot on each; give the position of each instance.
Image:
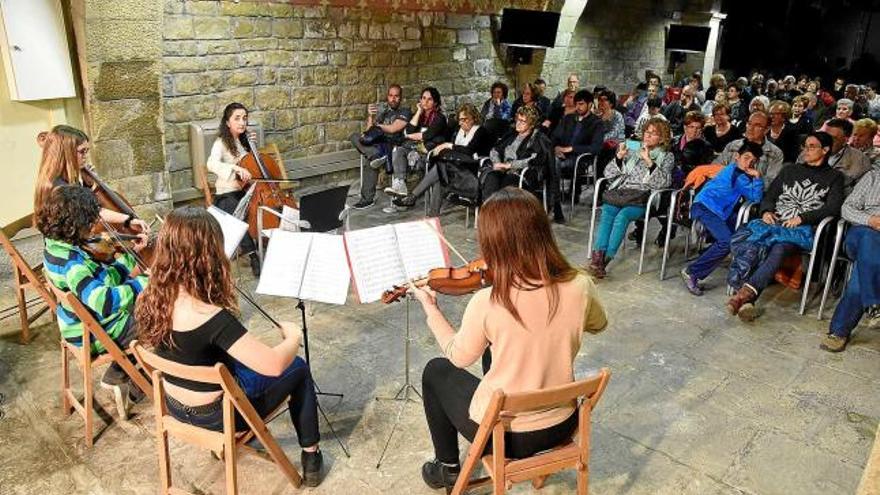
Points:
(698, 403)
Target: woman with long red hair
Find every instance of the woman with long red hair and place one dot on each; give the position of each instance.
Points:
(65, 149)
(189, 314)
(530, 320)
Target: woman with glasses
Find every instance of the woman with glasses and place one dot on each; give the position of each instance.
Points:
(520, 149)
(471, 142)
(65, 149)
(783, 135)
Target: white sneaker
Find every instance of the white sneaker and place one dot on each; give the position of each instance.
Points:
(390, 209)
(377, 163)
(398, 188)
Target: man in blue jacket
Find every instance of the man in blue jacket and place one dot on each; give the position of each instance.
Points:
(577, 133)
(714, 207)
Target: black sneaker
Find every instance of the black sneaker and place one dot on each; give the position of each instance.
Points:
(114, 376)
(439, 475)
(363, 204)
(255, 264)
(407, 201)
(135, 394)
(312, 465)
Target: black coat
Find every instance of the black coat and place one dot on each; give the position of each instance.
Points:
(543, 163)
(588, 140)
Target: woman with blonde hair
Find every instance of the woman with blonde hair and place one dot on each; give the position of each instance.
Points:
(530, 322)
(189, 314)
(65, 149)
(633, 176)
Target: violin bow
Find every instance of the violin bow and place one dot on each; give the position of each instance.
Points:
(445, 241)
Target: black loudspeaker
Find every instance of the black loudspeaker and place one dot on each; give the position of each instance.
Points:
(519, 55)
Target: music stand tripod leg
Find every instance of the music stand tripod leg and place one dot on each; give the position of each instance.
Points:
(402, 395)
(305, 331)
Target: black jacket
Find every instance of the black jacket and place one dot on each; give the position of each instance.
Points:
(538, 144)
(480, 144)
(695, 153)
(435, 133)
(811, 192)
(588, 140)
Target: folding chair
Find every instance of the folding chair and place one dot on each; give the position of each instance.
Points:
(835, 257)
(504, 472)
(26, 277)
(590, 172)
(522, 177)
(87, 362)
(227, 442)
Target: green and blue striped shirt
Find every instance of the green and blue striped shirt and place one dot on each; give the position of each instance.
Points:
(109, 291)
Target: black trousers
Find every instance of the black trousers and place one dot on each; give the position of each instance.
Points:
(496, 180)
(447, 392)
(228, 202)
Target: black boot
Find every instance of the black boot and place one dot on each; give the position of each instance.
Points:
(558, 217)
(313, 465)
(255, 264)
(439, 475)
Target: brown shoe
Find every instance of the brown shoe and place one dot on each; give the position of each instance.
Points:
(745, 296)
(596, 268)
(833, 343)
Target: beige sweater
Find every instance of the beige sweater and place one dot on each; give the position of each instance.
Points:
(524, 358)
(223, 164)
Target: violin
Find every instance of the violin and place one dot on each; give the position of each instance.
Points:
(105, 246)
(266, 193)
(111, 200)
(455, 281)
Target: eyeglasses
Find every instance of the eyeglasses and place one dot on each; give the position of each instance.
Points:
(83, 151)
(521, 121)
(464, 119)
(811, 147)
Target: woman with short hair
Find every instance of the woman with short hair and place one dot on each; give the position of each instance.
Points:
(781, 134)
(723, 131)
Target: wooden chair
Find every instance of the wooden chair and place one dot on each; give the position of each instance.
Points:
(25, 277)
(504, 472)
(226, 442)
(87, 362)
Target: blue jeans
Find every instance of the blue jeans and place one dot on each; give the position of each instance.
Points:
(863, 290)
(721, 231)
(763, 275)
(265, 393)
(612, 227)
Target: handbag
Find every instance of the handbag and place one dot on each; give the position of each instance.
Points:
(372, 135)
(459, 177)
(622, 197)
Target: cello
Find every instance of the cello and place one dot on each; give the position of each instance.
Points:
(266, 175)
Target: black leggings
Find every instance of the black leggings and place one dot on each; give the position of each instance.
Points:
(448, 391)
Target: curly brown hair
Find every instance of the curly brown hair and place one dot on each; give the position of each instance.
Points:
(189, 256)
(59, 160)
(68, 214)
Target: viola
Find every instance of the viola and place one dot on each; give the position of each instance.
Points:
(455, 281)
(111, 200)
(105, 246)
(266, 193)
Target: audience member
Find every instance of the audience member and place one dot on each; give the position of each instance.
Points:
(843, 157)
(653, 105)
(528, 98)
(781, 133)
(862, 139)
(799, 121)
(796, 201)
(722, 132)
(716, 82)
(557, 113)
(675, 111)
(739, 110)
(770, 161)
(578, 133)
(497, 106)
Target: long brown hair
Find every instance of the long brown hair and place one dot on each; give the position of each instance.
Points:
(518, 245)
(59, 160)
(189, 256)
(226, 134)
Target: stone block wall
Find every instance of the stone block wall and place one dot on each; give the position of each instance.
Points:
(308, 73)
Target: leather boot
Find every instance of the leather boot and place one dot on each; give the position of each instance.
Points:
(596, 268)
(745, 296)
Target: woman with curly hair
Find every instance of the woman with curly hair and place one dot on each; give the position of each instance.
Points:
(65, 149)
(189, 314)
(109, 290)
(633, 176)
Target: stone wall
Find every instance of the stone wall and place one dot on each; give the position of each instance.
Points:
(121, 70)
(307, 73)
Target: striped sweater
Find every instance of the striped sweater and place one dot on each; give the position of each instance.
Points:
(107, 290)
(864, 201)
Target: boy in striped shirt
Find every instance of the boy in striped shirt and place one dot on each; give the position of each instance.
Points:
(107, 290)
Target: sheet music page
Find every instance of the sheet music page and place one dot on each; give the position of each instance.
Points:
(374, 260)
(284, 264)
(233, 229)
(289, 219)
(327, 276)
(420, 247)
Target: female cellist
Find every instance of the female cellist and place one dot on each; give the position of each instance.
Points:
(65, 149)
(226, 153)
(531, 321)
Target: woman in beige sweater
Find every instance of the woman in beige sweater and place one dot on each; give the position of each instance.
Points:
(531, 321)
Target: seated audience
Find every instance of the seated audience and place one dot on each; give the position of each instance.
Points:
(843, 157)
(862, 294)
(709, 106)
(873, 100)
(530, 323)
(578, 133)
(842, 111)
(716, 82)
(615, 128)
(384, 130)
(799, 120)
(781, 133)
(572, 84)
(557, 113)
(797, 200)
(497, 107)
(633, 176)
(675, 111)
(107, 288)
(190, 315)
(426, 129)
(528, 98)
(520, 149)
(471, 142)
(722, 132)
(715, 207)
(770, 161)
(541, 100)
(862, 139)
(739, 110)
(653, 105)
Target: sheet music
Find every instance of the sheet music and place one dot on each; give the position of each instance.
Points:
(420, 247)
(233, 229)
(375, 261)
(289, 219)
(327, 276)
(284, 264)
